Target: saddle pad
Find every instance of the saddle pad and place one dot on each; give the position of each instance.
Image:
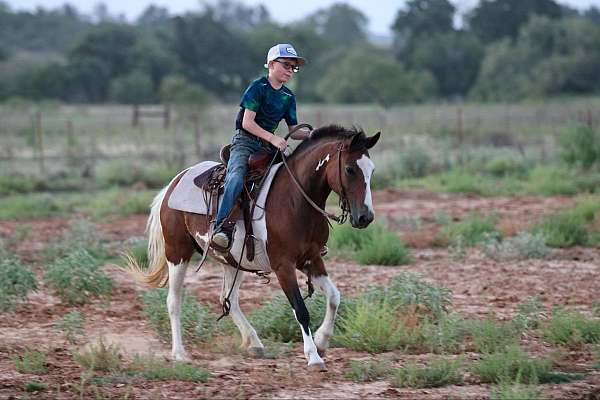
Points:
(187, 196)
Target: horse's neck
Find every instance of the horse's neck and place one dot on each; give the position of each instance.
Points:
(310, 169)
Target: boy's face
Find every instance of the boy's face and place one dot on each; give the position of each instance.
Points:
(282, 69)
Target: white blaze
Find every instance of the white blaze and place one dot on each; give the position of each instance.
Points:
(367, 167)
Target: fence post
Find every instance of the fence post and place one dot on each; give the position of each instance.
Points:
(136, 115)
(71, 156)
(197, 141)
(166, 116)
(39, 134)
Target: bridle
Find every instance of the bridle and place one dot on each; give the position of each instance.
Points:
(343, 201)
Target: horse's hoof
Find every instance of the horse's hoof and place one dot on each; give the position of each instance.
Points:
(317, 367)
(181, 358)
(321, 352)
(256, 352)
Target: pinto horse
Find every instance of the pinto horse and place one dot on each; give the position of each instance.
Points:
(333, 159)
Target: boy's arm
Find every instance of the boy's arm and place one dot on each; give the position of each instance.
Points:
(251, 126)
(301, 134)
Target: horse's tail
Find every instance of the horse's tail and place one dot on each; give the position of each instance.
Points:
(156, 273)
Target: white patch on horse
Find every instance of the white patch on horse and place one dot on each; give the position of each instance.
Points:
(321, 162)
(367, 167)
(325, 331)
(310, 349)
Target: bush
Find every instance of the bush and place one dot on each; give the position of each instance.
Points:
(569, 227)
(511, 365)
(32, 362)
(373, 245)
(197, 323)
(71, 324)
(414, 163)
(571, 328)
(490, 337)
(580, 146)
(525, 245)
(38, 205)
(33, 386)
(472, 229)
(361, 371)
(16, 281)
(438, 372)
(76, 278)
(528, 314)
(445, 335)
(81, 234)
(100, 357)
(515, 391)
(120, 202)
(155, 368)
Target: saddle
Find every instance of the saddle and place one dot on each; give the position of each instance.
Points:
(212, 181)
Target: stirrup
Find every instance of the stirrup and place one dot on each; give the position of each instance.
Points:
(219, 247)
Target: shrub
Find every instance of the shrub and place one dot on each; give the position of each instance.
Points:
(197, 323)
(445, 335)
(569, 227)
(460, 181)
(71, 324)
(81, 234)
(16, 281)
(472, 229)
(100, 357)
(32, 362)
(155, 368)
(76, 278)
(38, 205)
(120, 202)
(364, 371)
(490, 337)
(438, 372)
(571, 328)
(414, 163)
(509, 365)
(33, 386)
(528, 314)
(580, 146)
(373, 245)
(515, 391)
(524, 246)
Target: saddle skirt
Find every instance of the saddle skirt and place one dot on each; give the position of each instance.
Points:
(188, 197)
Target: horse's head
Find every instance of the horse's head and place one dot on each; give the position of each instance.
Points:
(351, 178)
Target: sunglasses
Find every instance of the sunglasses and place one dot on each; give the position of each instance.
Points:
(288, 66)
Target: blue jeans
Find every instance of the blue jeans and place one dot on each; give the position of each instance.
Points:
(243, 145)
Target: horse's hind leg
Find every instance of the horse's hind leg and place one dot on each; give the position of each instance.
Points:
(174, 299)
(319, 278)
(250, 339)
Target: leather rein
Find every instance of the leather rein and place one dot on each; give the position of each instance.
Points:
(343, 202)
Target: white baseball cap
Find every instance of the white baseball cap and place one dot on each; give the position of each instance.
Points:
(285, 50)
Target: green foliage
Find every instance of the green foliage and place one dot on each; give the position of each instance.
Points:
(491, 337)
(32, 362)
(515, 391)
(510, 365)
(16, 281)
(39, 205)
(100, 357)
(13, 184)
(571, 328)
(33, 386)
(155, 368)
(438, 372)
(528, 314)
(76, 278)
(127, 174)
(365, 371)
(580, 146)
(133, 88)
(445, 335)
(569, 227)
(81, 234)
(415, 162)
(121, 202)
(197, 323)
(71, 324)
(472, 229)
(374, 245)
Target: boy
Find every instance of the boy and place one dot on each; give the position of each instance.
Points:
(264, 104)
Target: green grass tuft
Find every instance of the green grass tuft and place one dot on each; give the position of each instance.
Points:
(472, 229)
(489, 336)
(100, 357)
(438, 372)
(365, 371)
(32, 362)
(515, 391)
(34, 386)
(16, 281)
(71, 324)
(571, 328)
(510, 365)
(570, 227)
(154, 368)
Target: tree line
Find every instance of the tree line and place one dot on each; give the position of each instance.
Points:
(500, 50)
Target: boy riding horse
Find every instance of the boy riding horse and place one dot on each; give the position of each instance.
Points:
(264, 104)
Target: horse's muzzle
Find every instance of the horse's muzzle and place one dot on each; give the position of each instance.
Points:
(362, 220)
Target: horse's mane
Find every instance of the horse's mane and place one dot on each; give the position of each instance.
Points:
(325, 132)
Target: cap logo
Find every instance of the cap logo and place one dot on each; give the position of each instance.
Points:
(291, 51)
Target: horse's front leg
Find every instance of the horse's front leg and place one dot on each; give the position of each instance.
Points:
(289, 284)
(319, 278)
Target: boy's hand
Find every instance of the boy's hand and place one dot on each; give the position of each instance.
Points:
(278, 142)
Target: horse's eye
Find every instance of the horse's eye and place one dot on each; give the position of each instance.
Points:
(350, 170)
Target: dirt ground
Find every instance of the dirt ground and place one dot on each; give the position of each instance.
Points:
(480, 286)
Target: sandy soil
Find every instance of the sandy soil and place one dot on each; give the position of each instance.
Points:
(480, 286)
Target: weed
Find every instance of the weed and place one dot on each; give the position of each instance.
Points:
(444, 336)
(509, 365)
(528, 314)
(152, 367)
(76, 278)
(471, 229)
(438, 372)
(490, 336)
(364, 371)
(571, 328)
(197, 323)
(71, 325)
(34, 386)
(580, 146)
(442, 218)
(32, 362)
(569, 227)
(374, 245)
(515, 391)
(524, 246)
(81, 234)
(16, 281)
(100, 357)
(458, 248)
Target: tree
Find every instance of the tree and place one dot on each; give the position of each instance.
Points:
(492, 20)
(339, 24)
(133, 88)
(368, 75)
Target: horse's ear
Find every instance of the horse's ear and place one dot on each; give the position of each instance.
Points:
(356, 141)
(371, 141)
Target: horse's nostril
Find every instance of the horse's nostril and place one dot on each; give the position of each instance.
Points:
(362, 220)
